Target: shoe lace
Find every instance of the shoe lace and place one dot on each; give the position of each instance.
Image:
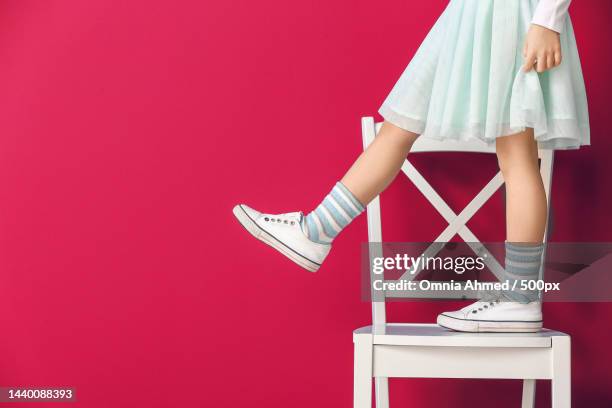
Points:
(488, 301)
(281, 219)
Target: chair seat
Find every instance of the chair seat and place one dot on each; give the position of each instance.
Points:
(409, 334)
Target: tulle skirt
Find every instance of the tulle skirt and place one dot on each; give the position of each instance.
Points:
(466, 82)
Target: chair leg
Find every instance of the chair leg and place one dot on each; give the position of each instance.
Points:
(562, 376)
(529, 388)
(362, 374)
(382, 392)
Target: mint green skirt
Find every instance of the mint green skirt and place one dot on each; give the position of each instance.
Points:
(465, 81)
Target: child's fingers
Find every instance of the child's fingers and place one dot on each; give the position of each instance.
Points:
(558, 58)
(530, 61)
(550, 61)
(541, 63)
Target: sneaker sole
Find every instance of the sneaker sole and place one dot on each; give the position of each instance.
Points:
(474, 326)
(256, 231)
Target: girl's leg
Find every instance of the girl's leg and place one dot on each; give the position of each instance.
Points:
(525, 224)
(371, 173)
(378, 165)
(306, 239)
(526, 211)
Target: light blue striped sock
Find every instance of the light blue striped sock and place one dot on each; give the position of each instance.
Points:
(523, 263)
(336, 211)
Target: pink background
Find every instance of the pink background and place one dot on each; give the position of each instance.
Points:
(129, 129)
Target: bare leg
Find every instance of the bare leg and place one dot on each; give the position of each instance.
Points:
(526, 208)
(525, 223)
(378, 165)
(306, 240)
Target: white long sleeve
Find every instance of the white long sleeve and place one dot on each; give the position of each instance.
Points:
(551, 14)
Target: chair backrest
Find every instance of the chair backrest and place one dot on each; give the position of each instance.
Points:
(457, 222)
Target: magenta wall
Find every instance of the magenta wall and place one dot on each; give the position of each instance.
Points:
(129, 129)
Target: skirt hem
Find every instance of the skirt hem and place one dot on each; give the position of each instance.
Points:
(564, 134)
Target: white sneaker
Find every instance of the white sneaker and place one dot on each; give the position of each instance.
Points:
(494, 316)
(283, 232)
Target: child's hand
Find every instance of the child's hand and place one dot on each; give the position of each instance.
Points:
(542, 49)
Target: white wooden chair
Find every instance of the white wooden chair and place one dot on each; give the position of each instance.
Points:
(406, 350)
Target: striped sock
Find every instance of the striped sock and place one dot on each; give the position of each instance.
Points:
(523, 264)
(336, 211)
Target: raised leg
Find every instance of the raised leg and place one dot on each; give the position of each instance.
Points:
(562, 372)
(378, 165)
(362, 372)
(529, 387)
